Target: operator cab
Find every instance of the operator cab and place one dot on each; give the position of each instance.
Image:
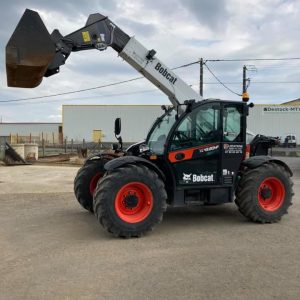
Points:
(202, 147)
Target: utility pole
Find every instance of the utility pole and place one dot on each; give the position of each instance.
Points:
(201, 78)
(244, 79)
(245, 95)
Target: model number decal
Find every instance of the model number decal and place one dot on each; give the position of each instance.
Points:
(208, 149)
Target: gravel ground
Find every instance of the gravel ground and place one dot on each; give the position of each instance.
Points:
(52, 249)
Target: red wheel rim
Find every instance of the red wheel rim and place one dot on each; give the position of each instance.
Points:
(134, 202)
(94, 181)
(271, 194)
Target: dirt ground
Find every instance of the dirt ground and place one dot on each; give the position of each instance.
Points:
(52, 249)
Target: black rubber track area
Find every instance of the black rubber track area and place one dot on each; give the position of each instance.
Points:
(106, 192)
(83, 179)
(247, 193)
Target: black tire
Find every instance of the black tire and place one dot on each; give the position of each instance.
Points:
(265, 208)
(87, 176)
(108, 192)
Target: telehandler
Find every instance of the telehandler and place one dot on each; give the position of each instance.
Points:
(195, 153)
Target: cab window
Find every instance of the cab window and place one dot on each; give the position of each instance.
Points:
(200, 127)
(232, 124)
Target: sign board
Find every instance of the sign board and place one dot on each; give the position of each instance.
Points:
(280, 109)
(97, 135)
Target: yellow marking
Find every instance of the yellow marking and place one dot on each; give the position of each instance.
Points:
(98, 135)
(86, 36)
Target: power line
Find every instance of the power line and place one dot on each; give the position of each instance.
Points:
(286, 66)
(225, 86)
(187, 65)
(72, 92)
(138, 78)
(100, 96)
(96, 97)
(253, 59)
(259, 82)
(91, 88)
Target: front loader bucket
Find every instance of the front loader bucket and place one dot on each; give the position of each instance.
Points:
(28, 52)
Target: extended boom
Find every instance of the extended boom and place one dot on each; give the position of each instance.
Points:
(33, 53)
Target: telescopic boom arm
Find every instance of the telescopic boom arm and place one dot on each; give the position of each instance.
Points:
(32, 53)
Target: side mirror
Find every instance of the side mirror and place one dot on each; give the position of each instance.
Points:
(117, 126)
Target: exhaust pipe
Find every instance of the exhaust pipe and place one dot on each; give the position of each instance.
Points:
(28, 52)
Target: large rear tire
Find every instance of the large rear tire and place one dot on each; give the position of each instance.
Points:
(129, 201)
(264, 194)
(86, 181)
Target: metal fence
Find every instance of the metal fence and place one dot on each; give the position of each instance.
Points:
(53, 144)
(48, 138)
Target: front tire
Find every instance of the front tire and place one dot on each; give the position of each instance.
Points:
(264, 194)
(86, 181)
(129, 201)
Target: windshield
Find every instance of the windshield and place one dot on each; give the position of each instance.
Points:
(157, 138)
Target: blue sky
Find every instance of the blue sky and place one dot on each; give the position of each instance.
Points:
(180, 31)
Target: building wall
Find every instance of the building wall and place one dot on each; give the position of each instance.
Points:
(79, 121)
(275, 120)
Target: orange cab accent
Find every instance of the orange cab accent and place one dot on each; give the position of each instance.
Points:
(188, 153)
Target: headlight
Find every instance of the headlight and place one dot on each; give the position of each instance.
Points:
(144, 148)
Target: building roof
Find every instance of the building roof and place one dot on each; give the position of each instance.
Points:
(293, 102)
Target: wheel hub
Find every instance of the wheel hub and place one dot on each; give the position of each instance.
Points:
(130, 201)
(134, 202)
(271, 194)
(266, 193)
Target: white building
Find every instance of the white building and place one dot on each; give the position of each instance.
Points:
(81, 121)
(275, 120)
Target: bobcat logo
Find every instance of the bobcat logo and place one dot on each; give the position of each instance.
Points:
(187, 177)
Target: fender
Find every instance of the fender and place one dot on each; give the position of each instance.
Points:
(134, 149)
(125, 160)
(100, 156)
(256, 161)
(93, 157)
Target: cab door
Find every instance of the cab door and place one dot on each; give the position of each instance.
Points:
(194, 149)
(233, 140)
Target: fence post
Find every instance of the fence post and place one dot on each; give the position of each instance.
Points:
(72, 145)
(43, 145)
(53, 138)
(30, 138)
(65, 145)
(84, 149)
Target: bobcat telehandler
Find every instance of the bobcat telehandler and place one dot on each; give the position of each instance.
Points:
(194, 154)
